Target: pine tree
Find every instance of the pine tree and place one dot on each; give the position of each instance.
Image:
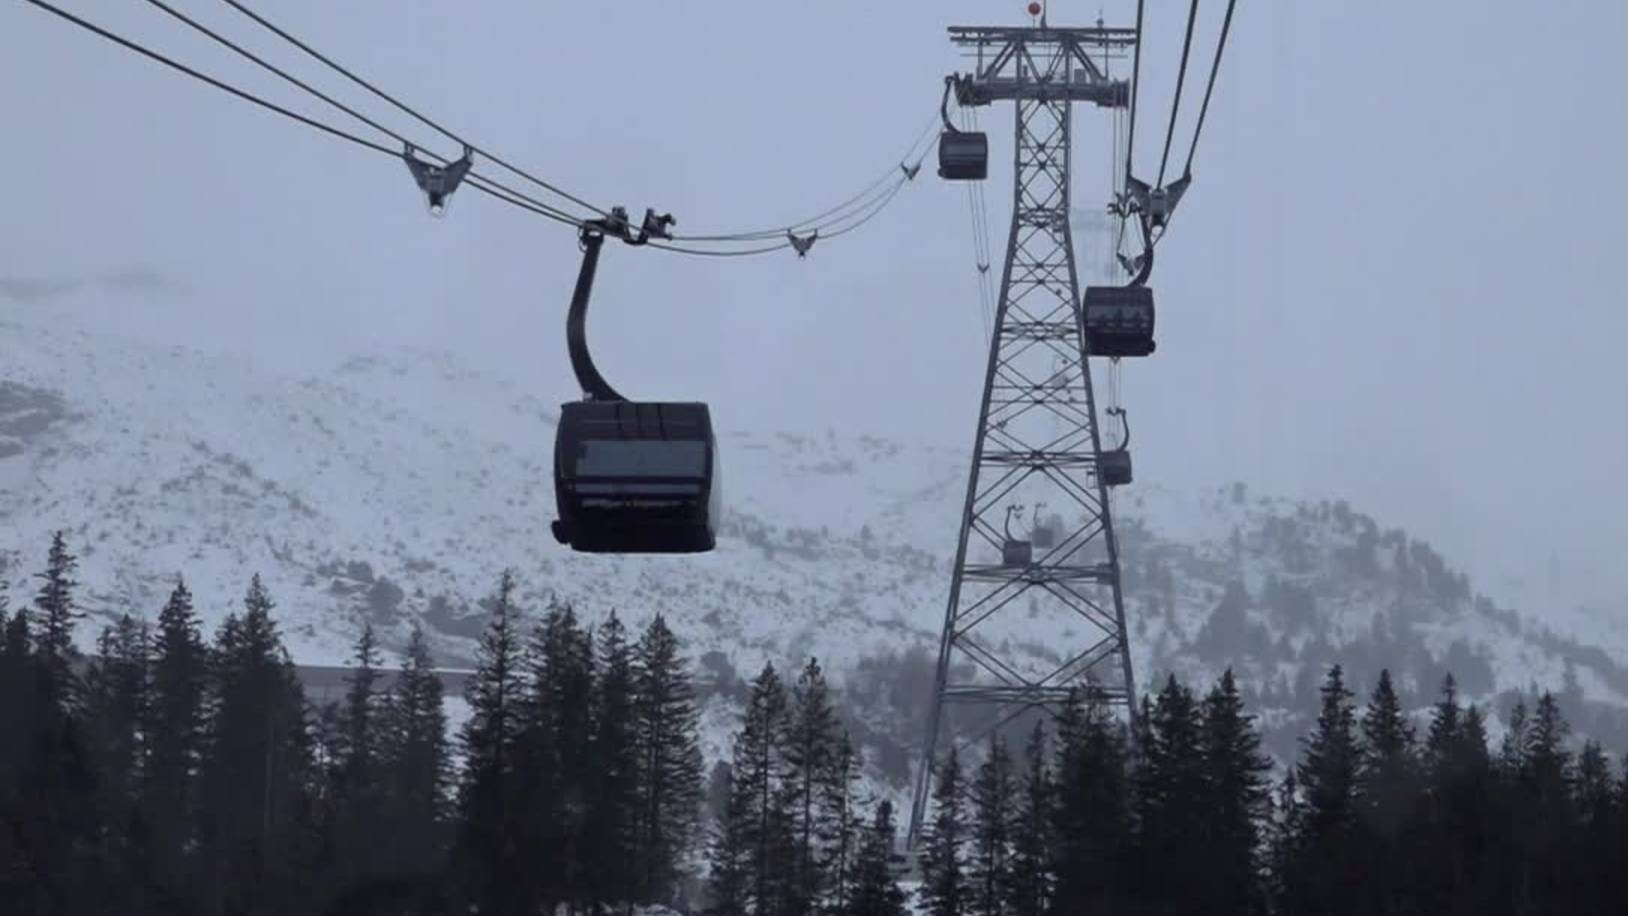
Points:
(1542, 796)
(944, 890)
(669, 755)
(115, 700)
(256, 828)
(876, 892)
(614, 794)
(16, 700)
(115, 707)
(1236, 801)
(1284, 857)
(327, 756)
(1327, 772)
(1171, 792)
(1319, 877)
(1387, 770)
(492, 859)
(1544, 759)
(757, 771)
(48, 799)
(1094, 840)
(58, 613)
(1512, 749)
(1473, 828)
(556, 740)
(989, 868)
(1446, 729)
(416, 761)
(15, 867)
(1387, 779)
(811, 737)
(176, 723)
(1453, 809)
(357, 798)
(1030, 879)
(1598, 842)
(839, 827)
(730, 853)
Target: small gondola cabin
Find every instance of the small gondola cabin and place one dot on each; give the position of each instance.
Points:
(1016, 554)
(963, 155)
(1115, 467)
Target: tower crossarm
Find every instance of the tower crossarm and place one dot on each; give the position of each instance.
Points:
(1048, 64)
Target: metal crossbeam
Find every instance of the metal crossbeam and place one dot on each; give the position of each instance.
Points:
(1024, 636)
(1044, 64)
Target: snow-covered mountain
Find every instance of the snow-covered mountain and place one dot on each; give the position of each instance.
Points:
(397, 486)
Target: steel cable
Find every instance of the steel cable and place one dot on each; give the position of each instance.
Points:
(296, 42)
(826, 216)
(479, 182)
(1215, 66)
(539, 206)
(1175, 100)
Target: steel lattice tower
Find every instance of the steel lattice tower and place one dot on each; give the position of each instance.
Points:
(1037, 439)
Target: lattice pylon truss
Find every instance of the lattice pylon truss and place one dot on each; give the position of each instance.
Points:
(1020, 638)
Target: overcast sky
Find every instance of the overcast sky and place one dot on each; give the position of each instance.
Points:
(1396, 279)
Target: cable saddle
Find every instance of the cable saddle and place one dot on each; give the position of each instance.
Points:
(1154, 204)
(801, 245)
(437, 181)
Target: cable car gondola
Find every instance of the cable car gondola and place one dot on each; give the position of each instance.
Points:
(1118, 320)
(1115, 464)
(1043, 530)
(1015, 553)
(963, 155)
(630, 476)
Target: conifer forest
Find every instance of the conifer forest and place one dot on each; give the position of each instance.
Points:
(178, 772)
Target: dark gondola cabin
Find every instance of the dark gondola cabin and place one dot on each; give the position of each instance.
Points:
(1118, 320)
(963, 155)
(1016, 554)
(1115, 467)
(636, 477)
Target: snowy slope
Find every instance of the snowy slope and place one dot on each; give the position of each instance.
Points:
(397, 486)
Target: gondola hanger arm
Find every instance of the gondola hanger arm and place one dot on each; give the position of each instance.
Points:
(944, 106)
(591, 237)
(1124, 423)
(1007, 527)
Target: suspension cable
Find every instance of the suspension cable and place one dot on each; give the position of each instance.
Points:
(979, 242)
(1215, 66)
(1175, 101)
(801, 227)
(709, 253)
(847, 216)
(865, 217)
(291, 39)
(218, 84)
(831, 215)
(989, 291)
(540, 207)
(1136, 87)
(482, 184)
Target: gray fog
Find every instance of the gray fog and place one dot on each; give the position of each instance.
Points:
(1397, 278)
